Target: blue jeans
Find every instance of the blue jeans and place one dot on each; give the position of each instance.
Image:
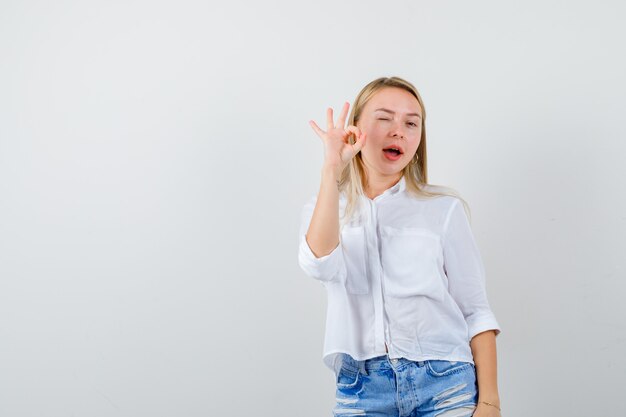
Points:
(400, 387)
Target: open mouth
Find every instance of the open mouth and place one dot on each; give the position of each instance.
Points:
(393, 151)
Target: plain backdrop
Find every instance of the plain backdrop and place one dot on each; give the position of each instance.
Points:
(155, 156)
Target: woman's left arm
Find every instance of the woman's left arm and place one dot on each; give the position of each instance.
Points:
(485, 358)
(467, 285)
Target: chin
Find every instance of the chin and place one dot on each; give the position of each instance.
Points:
(392, 171)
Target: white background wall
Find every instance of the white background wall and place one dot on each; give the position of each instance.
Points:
(155, 155)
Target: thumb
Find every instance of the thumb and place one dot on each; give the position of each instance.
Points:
(360, 142)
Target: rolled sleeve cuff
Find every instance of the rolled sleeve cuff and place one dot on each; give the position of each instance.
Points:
(481, 322)
(324, 268)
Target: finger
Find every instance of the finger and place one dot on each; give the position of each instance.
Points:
(329, 119)
(317, 129)
(353, 129)
(360, 142)
(344, 112)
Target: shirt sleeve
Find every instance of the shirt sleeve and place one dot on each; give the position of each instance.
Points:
(466, 273)
(325, 268)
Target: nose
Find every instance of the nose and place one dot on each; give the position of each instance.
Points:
(397, 131)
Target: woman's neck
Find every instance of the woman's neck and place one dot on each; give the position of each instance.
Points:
(378, 185)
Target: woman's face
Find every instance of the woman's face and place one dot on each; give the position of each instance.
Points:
(392, 118)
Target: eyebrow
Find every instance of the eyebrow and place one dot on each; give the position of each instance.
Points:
(393, 112)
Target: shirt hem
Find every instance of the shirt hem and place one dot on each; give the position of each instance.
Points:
(333, 359)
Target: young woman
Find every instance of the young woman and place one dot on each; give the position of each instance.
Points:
(409, 330)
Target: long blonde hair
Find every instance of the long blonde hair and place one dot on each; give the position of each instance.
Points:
(415, 173)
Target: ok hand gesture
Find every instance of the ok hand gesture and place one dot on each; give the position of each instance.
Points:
(338, 151)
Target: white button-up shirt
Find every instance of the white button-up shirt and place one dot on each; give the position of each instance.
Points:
(407, 274)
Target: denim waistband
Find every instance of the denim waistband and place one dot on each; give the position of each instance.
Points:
(378, 363)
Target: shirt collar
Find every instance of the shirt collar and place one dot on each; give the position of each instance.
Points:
(399, 186)
(394, 189)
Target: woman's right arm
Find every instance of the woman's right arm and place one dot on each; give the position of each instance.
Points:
(319, 253)
(323, 267)
(323, 233)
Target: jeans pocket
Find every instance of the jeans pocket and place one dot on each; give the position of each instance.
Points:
(348, 378)
(438, 368)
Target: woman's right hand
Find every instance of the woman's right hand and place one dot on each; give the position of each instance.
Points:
(338, 151)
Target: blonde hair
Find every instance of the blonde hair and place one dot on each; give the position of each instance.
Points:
(415, 173)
